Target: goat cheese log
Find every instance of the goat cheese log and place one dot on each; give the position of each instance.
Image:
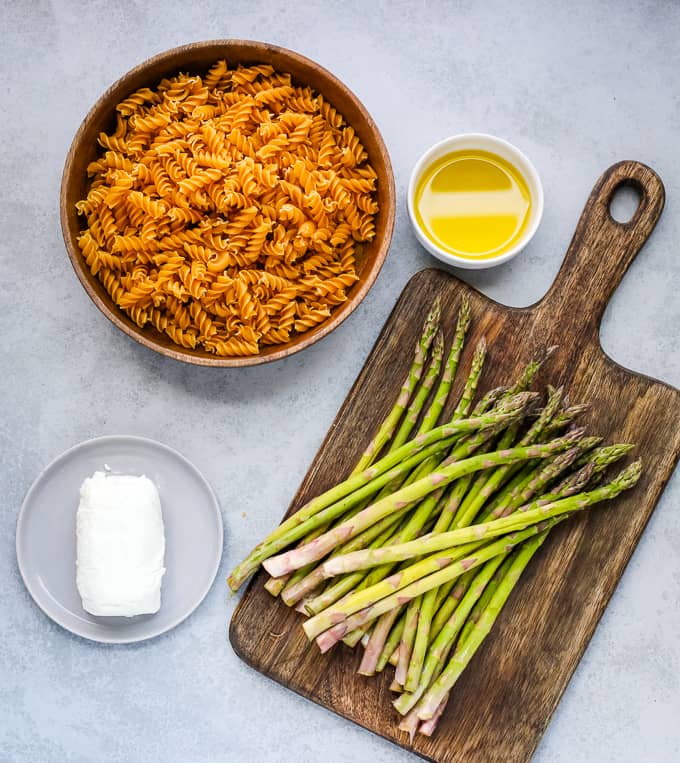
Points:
(120, 545)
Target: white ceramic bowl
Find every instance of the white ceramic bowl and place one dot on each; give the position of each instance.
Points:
(478, 142)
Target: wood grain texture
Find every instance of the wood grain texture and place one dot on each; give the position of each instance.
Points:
(502, 704)
(198, 57)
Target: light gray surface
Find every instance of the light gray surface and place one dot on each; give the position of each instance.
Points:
(576, 87)
(46, 535)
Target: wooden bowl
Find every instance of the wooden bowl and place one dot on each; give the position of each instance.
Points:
(198, 57)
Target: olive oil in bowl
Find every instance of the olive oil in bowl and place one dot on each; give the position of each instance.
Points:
(473, 206)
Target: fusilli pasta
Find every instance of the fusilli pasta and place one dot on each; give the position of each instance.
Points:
(225, 210)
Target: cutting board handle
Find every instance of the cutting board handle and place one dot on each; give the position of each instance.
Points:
(602, 249)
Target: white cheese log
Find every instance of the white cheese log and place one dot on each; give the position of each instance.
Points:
(120, 545)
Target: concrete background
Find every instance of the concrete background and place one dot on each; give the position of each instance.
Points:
(575, 85)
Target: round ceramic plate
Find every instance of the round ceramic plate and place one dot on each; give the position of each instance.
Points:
(46, 536)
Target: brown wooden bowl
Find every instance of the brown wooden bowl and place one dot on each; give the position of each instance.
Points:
(198, 57)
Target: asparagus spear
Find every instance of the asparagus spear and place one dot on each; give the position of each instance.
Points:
(305, 523)
(425, 607)
(410, 531)
(406, 642)
(290, 583)
(384, 641)
(384, 627)
(564, 418)
(573, 484)
(305, 580)
(537, 481)
(532, 512)
(296, 588)
(423, 392)
(472, 381)
(428, 727)
(530, 370)
(318, 548)
(391, 642)
(464, 652)
(601, 458)
(529, 479)
(388, 426)
(442, 395)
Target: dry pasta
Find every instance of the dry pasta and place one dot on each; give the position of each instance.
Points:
(225, 210)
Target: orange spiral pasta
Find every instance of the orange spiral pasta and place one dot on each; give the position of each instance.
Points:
(225, 210)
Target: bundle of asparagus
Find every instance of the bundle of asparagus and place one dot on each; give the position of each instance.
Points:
(415, 553)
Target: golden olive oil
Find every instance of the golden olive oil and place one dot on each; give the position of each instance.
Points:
(473, 204)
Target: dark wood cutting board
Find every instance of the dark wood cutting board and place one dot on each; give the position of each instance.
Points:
(502, 704)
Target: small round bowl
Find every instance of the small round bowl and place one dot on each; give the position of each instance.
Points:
(493, 145)
(199, 57)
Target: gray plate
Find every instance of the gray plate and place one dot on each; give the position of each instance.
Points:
(46, 540)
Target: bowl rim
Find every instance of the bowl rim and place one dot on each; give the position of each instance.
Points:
(309, 338)
(527, 169)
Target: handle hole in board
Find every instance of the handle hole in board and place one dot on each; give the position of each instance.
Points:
(625, 202)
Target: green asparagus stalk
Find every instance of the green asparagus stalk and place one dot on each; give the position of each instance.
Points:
(388, 426)
(431, 418)
(304, 525)
(571, 485)
(543, 477)
(429, 421)
(290, 583)
(305, 580)
(427, 605)
(391, 642)
(442, 395)
(390, 623)
(472, 381)
(431, 700)
(275, 586)
(423, 392)
(530, 370)
(425, 608)
(318, 548)
(526, 515)
(564, 418)
(406, 642)
(603, 457)
(427, 728)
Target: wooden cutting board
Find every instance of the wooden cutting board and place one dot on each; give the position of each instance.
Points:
(502, 704)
